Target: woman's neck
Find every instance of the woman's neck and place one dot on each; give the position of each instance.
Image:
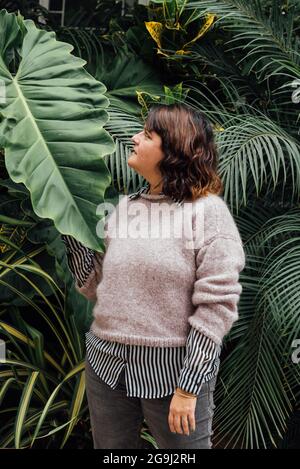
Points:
(155, 188)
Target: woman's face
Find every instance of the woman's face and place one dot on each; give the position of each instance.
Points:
(146, 154)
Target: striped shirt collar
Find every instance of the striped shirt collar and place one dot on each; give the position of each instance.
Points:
(145, 190)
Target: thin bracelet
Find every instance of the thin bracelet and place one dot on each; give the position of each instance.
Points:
(181, 393)
(186, 392)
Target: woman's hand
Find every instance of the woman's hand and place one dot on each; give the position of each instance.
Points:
(182, 414)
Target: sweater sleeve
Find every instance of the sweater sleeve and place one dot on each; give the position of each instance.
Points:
(217, 289)
(85, 266)
(202, 357)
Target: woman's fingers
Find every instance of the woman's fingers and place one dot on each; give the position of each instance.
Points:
(181, 417)
(177, 424)
(192, 420)
(185, 424)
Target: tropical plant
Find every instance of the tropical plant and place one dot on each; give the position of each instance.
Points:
(51, 127)
(172, 25)
(44, 139)
(43, 374)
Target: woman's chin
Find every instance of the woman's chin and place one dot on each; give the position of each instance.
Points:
(133, 165)
(132, 162)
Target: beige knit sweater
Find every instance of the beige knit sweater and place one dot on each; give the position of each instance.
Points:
(166, 268)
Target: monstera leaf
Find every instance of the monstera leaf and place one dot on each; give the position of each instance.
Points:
(52, 113)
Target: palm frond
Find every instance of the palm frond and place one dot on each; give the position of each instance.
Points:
(258, 381)
(264, 36)
(122, 126)
(253, 151)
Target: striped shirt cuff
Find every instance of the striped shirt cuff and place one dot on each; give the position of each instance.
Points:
(80, 259)
(199, 362)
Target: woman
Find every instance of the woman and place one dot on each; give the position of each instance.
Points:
(164, 301)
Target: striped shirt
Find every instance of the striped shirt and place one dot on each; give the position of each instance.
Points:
(150, 372)
(153, 372)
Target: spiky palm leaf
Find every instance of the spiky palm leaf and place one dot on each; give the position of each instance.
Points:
(261, 40)
(266, 37)
(258, 379)
(123, 126)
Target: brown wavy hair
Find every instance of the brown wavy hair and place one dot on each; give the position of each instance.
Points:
(189, 166)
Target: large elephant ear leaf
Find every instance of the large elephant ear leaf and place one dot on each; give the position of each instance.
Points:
(51, 125)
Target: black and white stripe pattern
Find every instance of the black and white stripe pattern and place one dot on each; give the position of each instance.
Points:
(135, 195)
(145, 189)
(200, 363)
(154, 372)
(80, 259)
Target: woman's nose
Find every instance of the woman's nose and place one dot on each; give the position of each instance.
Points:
(135, 138)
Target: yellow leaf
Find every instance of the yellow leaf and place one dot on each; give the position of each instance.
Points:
(155, 29)
(159, 51)
(182, 52)
(141, 99)
(208, 22)
(143, 96)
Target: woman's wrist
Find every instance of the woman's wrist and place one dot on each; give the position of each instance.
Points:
(182, 393)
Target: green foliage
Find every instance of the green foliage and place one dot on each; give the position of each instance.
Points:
(52, 128)
(35, 370)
